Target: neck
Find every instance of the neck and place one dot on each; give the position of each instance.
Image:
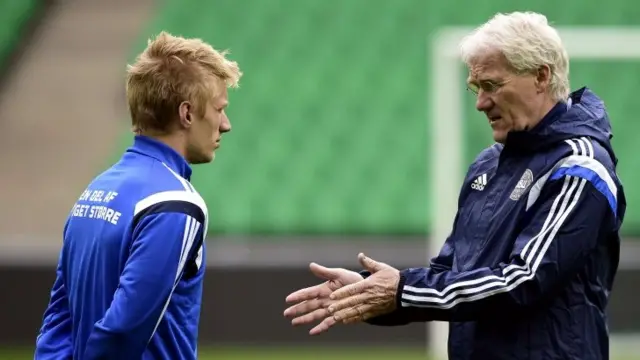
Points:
(544, 109)
(173, 140)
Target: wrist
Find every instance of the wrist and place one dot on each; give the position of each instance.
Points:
(401, 281)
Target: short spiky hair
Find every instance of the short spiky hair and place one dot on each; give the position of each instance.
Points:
(527, 41)
(171, 70)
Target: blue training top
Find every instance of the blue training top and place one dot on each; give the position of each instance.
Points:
(130, 275)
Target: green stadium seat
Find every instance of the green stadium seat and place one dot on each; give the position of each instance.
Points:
(331, 120)
(13, 16)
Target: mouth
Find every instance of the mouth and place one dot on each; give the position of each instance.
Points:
(494, 119)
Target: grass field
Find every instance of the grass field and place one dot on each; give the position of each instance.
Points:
(276, 354)
(328, 353)
(314, 354)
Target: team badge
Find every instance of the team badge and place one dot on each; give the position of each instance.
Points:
(522, 186)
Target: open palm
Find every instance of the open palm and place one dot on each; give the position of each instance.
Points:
(311, 303)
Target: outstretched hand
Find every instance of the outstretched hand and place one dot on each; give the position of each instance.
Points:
(312, 302)
(373, 296)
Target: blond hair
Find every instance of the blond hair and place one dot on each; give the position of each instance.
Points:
(171, 70)
(527, 41)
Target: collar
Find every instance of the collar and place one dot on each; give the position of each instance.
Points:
(162, 152)
(534, 138)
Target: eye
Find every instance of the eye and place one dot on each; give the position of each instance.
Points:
(473, 88)
(487, 86)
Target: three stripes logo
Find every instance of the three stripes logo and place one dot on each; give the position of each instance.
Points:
(479, 183)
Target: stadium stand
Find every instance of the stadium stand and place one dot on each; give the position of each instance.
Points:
(14, 15)
(64, 81)
(331, 120)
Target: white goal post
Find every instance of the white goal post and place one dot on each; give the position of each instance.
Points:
(445, 112)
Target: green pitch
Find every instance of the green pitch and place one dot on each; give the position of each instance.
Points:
(303, 353)
(327, 353)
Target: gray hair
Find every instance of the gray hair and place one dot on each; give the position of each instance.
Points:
(527, 41)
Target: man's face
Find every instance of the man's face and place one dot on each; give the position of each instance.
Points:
(205, 132)
(510, 101)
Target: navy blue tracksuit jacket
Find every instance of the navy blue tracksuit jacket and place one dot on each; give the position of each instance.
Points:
(528, 268)
(130, 275)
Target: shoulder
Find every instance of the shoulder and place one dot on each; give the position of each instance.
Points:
(171, 193)
(489, 153)
(480, 170)
(170, 199)
(587, 160)
(485, 160)
(584, 157)
(157, 189)
(159, 183)
(586, 147)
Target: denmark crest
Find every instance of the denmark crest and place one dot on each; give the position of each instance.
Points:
(522, 185)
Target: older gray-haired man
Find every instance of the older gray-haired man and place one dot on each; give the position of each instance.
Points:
(527, 270)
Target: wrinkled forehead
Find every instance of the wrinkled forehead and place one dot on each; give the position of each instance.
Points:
(488, 66)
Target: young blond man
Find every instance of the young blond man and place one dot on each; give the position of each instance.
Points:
(130, 274)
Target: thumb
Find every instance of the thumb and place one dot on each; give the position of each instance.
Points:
(323, 272)
(369, 264)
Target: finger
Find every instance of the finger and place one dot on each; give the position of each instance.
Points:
(353, 320)
(323, 272)
(348, 313)
(309, 293)
(350, 302)
(311, 317)
(350, 290)
(304, 307)
(356, 311)
(324, 326)
(369, 264)
(360, 314)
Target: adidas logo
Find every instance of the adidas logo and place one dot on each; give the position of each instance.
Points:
(479, 183)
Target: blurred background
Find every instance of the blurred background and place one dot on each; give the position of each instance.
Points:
(351, 132)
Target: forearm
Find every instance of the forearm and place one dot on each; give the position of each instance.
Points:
(540, 262)
(54, 341)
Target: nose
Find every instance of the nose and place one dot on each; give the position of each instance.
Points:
(483, 101)
(225, 125)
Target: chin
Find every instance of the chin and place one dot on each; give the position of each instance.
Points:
(202, 159)
(499, 137)
(207, 159)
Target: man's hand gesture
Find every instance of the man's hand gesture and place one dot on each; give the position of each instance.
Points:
(368, 298)
(313, 301)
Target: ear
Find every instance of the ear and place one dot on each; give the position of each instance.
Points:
(185, 113)
(543, 78)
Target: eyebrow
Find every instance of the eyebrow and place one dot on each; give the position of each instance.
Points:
(472, 81)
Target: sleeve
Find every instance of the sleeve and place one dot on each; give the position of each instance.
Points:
(444, 260)
(567, 218)
(165, 235)
(54, 340)
(441, 262)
